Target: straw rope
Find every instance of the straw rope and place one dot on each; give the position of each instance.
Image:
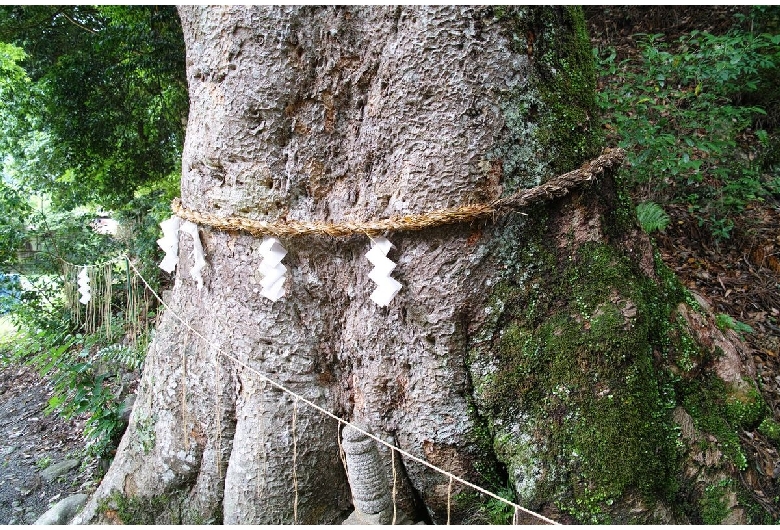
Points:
(552, 189)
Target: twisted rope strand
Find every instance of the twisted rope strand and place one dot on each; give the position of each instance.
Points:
(554, 188)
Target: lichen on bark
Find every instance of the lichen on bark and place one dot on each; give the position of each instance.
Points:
(550, 119)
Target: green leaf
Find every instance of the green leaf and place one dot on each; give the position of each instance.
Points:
(652, 217)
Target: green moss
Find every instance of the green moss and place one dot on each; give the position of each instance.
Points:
(574, 355)
(771, 429)
(553, 120)
(686, 356)
(160, 509)
(576, 408)
(745, 408)
(723, 411)
(567, 73)
(581, 360)
(135, 510)
(712, 505)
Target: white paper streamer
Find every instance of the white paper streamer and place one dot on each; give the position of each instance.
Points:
(386, 287)
(169, 242)
(84, 288)
(274, 273)
(198, 256)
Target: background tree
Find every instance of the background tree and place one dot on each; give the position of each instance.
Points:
(106, 110)
(93, 111)
(549, 353)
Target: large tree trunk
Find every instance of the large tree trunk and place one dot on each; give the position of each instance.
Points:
(338, 114)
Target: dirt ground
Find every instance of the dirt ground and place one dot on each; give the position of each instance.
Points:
(30, 441)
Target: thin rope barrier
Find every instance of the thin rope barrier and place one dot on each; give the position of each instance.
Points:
(217, 398)
(329, 414)
(554, 188)
(184, 415)
(449, 501)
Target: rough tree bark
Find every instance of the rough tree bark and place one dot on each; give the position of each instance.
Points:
(361, 113)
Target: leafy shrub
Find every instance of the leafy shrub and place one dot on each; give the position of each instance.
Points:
(724, 322)
(678, 114)
(86, 372)
(141, 218)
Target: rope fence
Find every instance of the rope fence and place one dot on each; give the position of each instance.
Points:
(297, 398)
(554, 188)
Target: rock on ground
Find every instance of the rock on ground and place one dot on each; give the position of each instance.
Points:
(63, 511)
(55, 471)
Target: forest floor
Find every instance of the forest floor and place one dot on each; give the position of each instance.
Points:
(33, 445)
(739, 277)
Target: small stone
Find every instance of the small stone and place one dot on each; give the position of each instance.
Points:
(63, 511)
(57, 470)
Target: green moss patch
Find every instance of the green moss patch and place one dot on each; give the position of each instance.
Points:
(161, 509)
(722, 412)
(560, 98)
(575, 393)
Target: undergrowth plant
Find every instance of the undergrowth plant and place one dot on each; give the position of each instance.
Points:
(652, 217)
(86, 374)
(677, 111)
(85, 369)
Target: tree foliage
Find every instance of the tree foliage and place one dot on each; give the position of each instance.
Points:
(105, 108)
(93, 105)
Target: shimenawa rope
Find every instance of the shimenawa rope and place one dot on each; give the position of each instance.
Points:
(552, 189)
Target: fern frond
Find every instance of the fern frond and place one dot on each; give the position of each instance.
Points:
(652, 217)
(129, 358)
